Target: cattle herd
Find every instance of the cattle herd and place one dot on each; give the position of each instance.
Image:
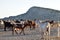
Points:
(16, 25)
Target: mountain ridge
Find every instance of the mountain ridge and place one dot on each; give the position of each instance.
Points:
(39, 13)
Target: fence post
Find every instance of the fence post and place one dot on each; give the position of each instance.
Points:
(58, 31)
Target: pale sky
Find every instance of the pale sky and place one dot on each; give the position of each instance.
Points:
(16, 7)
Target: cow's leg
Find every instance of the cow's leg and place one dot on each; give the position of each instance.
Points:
(30, 27)
(16, 30)
(5, 28)
(34, 27)
(12, 30)
(23, 31)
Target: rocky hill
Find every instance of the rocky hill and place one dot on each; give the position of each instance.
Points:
(39, 13)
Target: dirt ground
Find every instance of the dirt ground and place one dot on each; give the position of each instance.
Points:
(29, 35)
(35, 34)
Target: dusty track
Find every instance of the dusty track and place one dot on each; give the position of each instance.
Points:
(29, 35)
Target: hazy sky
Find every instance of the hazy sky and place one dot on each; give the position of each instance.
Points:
(16, 7)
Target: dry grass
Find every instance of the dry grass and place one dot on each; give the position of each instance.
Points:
(29, 35)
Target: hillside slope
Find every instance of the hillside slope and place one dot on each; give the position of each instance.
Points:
(39, 13)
